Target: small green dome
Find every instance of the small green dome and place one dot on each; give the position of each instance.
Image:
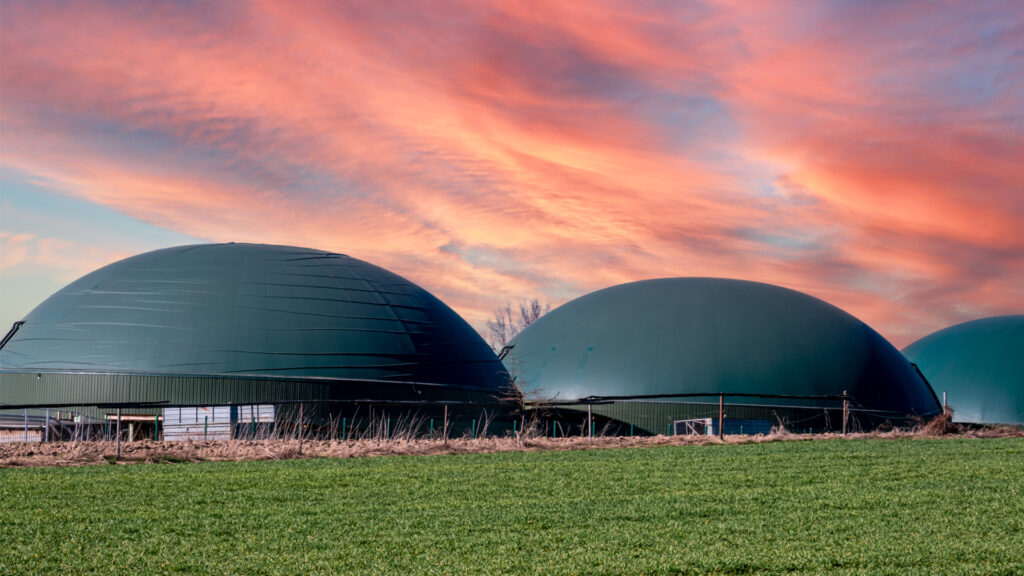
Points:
(980, 366)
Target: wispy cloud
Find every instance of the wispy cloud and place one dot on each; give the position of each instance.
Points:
(866, 153)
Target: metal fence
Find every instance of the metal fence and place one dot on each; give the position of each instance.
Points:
(352, 420)
(314, 420)
(44, 425)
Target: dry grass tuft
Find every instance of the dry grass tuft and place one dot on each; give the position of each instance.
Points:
(941, 425)
(87, 453)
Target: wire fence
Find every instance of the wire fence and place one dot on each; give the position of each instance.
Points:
(714, 413)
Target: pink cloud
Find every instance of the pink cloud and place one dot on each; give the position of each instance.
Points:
(491, 151)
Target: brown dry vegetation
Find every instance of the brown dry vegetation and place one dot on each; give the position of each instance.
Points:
(85, 453)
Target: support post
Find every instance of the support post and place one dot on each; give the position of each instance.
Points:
(846, 410)
(302, 408)
(47, 438)
(118, 433)
(721, 416)
(515, 430)
(26, 424)
(344, 428)
(590, 420)
(206, 424)
(156, 427)
(445, 430)
(945, 405)
(431, 428)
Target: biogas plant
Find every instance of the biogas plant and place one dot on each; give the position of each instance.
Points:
(205, 335)
(220, 340)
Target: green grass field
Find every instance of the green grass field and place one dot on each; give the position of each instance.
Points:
(951, 506)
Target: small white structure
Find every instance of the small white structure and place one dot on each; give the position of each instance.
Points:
(694, 427)
(200, 423)
(258, 414)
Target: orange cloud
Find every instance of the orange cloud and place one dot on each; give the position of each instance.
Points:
(491, 151)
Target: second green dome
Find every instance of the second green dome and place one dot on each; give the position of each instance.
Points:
(697, 335)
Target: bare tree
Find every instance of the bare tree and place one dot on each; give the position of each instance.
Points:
(530, 312)
(506, 323)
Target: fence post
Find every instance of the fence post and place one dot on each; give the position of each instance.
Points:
(156, 427)
(846, 410)
(47, 439)
(590, 420)
(206, 423)
(26, 424)
(252, 422)
(721, 416)
(474, 429)
(302, 408)
(118, 433)
(344, 423)
(515, 431)
(945, 405)
(445, 429)
(431, 428)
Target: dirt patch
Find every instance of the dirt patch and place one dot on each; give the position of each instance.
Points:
(147, 451)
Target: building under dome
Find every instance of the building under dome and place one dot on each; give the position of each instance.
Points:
(708, 335)
(218, 324)
(980, 367)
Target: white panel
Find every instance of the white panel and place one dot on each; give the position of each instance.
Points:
(206, 422)
(264, 414)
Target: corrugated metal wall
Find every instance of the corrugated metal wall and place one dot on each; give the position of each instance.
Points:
(88, 389)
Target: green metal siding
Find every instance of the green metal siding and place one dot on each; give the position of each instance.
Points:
(89, 389)
(980, 364)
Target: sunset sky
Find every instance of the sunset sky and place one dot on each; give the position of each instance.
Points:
(867, 153)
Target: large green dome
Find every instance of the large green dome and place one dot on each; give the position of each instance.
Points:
(980, 365)
(697, 335)
(257, 318)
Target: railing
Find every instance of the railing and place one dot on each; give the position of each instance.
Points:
(641, 415)
(43, 425)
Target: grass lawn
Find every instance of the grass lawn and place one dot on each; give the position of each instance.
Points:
(948, 506)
